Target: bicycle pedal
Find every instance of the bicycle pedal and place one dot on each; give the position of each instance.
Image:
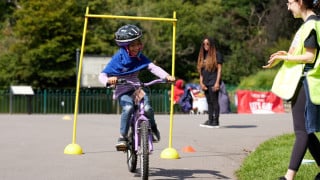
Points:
(121, 148)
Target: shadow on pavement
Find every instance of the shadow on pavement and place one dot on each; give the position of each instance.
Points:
(179, 174)
(240, 126)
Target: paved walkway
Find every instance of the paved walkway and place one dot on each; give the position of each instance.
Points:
(32, 146)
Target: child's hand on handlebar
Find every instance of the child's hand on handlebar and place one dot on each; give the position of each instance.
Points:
(170, 78)
(112, 80)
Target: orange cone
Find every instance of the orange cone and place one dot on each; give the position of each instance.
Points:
(188, 149)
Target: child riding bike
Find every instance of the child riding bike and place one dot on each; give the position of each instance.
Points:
(126, 64)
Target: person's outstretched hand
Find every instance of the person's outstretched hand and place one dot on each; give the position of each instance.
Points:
(275, 59)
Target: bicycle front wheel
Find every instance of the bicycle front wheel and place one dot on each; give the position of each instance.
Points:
(131, 153)
(144, 145)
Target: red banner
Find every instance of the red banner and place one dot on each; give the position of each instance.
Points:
(257, 102)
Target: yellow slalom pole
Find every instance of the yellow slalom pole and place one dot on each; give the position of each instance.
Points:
(171, 153)
(75, 148)
(132, 17)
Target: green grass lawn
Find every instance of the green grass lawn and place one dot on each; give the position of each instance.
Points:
(270, 161)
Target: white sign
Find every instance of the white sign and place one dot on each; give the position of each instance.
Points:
(91, 68)
(22, 90)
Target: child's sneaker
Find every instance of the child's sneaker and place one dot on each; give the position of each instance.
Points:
(122, 144)
(156, 135)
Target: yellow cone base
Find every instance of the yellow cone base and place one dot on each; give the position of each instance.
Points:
(73, 149)
(66, 118)
(169, 153)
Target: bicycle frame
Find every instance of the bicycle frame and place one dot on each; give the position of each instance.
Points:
(138, 117)
(140, 133)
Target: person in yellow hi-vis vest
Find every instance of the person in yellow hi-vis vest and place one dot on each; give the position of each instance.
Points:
(291, 83)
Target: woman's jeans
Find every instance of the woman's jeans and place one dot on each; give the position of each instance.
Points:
(127, 105)
(312, 112)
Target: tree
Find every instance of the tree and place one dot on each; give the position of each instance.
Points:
(38, 40)
(48, 36)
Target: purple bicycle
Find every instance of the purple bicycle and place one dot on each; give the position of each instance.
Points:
(140, 138)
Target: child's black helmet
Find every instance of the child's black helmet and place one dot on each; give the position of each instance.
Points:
(126, 34)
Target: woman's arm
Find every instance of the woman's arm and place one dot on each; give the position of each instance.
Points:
(203, 87)
(307, 57)
(217, 84)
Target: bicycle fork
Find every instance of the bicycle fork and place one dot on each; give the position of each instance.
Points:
(137, 131)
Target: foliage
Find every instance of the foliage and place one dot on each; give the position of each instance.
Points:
(38, 40)
(270, 161)
(258, 81)
(43, 54)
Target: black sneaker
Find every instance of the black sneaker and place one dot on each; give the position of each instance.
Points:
(155, 135)
(282, 178)
(122, 144)
(209, 124)
(317, 177)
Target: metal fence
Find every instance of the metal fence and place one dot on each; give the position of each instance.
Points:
(63, 101)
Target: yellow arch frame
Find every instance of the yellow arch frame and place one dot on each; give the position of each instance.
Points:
(168, 153)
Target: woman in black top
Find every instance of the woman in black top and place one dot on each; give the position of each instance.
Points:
(209, 67)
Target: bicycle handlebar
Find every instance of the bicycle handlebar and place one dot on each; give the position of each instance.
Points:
(140, 84)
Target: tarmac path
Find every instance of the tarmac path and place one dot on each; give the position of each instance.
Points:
(32, 146)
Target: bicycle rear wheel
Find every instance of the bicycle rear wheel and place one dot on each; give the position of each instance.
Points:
(131, 153)
(144, 145)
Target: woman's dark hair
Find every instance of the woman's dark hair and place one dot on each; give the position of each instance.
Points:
(312, 4)
(211, 59)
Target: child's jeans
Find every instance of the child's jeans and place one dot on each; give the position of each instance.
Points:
(127, 105)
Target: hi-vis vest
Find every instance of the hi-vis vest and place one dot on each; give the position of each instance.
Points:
(288, 76)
